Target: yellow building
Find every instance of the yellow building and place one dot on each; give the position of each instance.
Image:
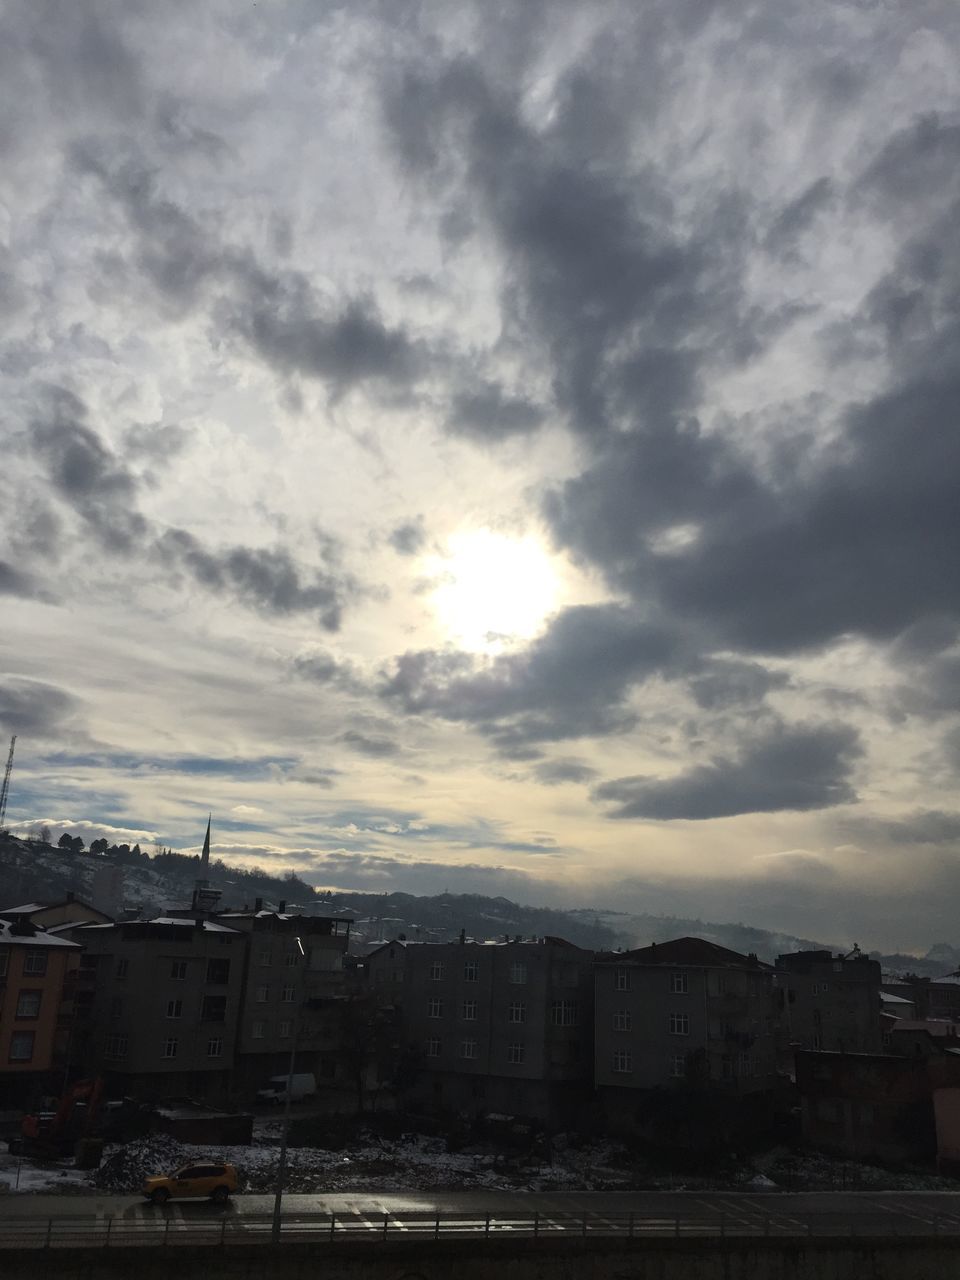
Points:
(35, 969)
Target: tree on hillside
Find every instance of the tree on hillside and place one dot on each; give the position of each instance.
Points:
(65, 842)
(99, 847)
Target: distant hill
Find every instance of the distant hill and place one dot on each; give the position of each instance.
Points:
(32, 871)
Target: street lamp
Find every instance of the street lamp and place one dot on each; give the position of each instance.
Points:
(282, 1168)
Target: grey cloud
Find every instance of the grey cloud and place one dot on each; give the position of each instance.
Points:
(922, 826)
(572, 681)
(798, 216)
(726, 683)
(34, 708)
(408, 539)
(267, 579)
(489, 413)
(154, 442)
(788, 768)
(280, 316)
(323, 668)
(554, 773)
(378, 748)
(15, 583)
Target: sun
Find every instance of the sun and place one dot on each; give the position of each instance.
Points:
(493, 589)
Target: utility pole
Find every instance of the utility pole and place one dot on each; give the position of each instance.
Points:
(5, 789)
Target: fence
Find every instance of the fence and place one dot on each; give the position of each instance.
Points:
(232, 1229)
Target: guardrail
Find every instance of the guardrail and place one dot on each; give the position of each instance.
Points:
(371, 1227)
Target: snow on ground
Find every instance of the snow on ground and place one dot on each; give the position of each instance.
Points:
(421, 1163)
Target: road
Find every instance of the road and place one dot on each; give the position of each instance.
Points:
(69, 1221)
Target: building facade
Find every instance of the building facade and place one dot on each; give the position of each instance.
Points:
(158, 1006)
(495, 1027)
(829, 1002)
(36, 972)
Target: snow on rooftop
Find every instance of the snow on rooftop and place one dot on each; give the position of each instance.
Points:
(36, 938)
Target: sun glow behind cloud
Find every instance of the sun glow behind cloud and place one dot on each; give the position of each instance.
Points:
(493, 589)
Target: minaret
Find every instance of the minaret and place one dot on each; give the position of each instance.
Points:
(204, 898)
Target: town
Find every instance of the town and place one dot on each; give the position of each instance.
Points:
(209, 1009)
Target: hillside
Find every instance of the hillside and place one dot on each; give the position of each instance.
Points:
(37, 871)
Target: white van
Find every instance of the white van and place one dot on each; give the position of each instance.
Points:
(302, 1085)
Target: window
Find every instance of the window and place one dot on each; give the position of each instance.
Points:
(745, 1066)
(213, 1008)
(726, 1067)
(437, 968)
(518, 972)
(817, 1040)
(4, 957)
(468, 1011)
(622, 1061)
(178, 970)
(471, 971)
(435, 1007)
(565, 1013)
(28, 1004)
(218, 971)
(264, 957)
(468, 1048)
(518, 1011)
(116, 1049)
(259, 1030)
(174, 1008)
(35, 962)
(679, 1024)
(286, 1030)
(170, 1046)
(622, 1020)
(678, 984)
(291, 958)
(263, 995)
(678, 1066)
(215, 1047)
(433, 1047)
(123, 967)
(116, 1008)
(21, 1046)
(621, 979)
(515, 1053)
(286, 993)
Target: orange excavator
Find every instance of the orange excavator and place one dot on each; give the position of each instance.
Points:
(59, 1131)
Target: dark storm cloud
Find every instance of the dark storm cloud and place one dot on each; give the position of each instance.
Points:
(488, 413)
(789, 768)
(34, 708)
(378, 748)
(555, 773)
(408, 539)
(572, 681)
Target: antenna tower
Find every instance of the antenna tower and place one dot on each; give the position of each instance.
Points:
(5, 789)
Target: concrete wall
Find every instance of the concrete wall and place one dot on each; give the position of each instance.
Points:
(706, 1259)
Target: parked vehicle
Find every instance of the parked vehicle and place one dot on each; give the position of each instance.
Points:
(302, 1085)
(57, 1131)
(193, 1182)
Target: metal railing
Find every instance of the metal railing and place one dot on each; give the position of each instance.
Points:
(371, 1227)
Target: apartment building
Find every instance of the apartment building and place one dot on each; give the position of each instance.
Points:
(36, 969)
(496, 1027)
(683, 1015)
(158, 1005)
(292, 987)
(829, 1002)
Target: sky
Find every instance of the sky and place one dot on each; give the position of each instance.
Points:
(491, 447)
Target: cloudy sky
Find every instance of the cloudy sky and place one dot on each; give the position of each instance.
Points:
(505, 447)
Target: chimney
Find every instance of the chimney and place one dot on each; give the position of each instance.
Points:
(282, 907)
(463, 936)
(258, 904)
